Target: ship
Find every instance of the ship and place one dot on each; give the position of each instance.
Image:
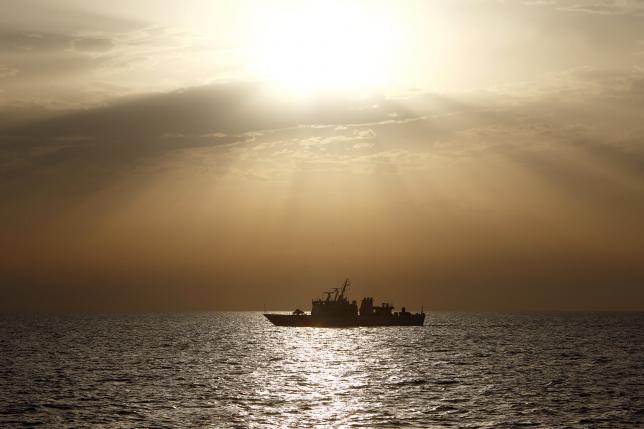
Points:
(335, 310)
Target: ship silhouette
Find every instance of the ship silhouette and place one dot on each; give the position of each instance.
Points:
(337, 311)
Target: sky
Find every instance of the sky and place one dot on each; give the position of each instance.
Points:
(463, 155)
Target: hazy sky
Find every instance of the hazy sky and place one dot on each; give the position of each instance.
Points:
(464, 155)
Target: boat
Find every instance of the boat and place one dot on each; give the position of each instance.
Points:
(335, 310)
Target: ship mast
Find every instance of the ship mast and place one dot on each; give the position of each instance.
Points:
(346, 284)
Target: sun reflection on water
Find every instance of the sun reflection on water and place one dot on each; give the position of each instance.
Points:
(327, 373)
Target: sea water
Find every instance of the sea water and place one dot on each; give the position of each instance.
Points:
(237, 370)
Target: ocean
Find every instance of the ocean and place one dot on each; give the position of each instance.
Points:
(234, 369)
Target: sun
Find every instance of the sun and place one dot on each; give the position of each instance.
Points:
(310, 47)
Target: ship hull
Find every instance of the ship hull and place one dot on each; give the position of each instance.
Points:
(306, 320)
(289, 319)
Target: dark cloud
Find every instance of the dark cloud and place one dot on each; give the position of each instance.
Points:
(228, 109)
(600, 7)
(609, 8)
(55, 55)
(81, 152)
(40, 18)
(32, 42)
(120, 135)
(93, 44)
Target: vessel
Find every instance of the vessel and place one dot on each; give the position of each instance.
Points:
(335, 310)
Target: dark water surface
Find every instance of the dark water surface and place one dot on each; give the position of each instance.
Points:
(237, 370)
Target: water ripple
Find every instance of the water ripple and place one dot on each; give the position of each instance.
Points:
(237, 370)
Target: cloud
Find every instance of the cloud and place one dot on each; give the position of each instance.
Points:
(585, 111)
(7, 72)
(120, 55)
(94, 146)
(227, 173)
(589, 111)
(32, 42)
(599, 7)
(345, 140)
(93, 44)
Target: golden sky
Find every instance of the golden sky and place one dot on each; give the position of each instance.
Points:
(206, 155)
